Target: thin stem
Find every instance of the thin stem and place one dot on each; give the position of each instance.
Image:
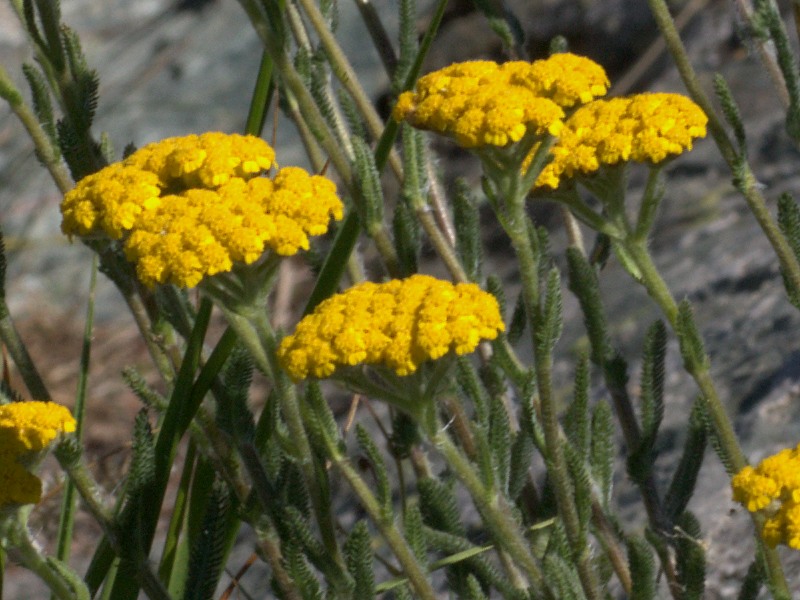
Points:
(88, 489)
(44, 147)
(651, 199)
(437, 200)
(19, 353)
(348, 78)
(439, 241)
(766, 52)
(733, 458)
(494, 509)
(517, 229)
(573, 230)
(67, 520)
(379, 35)
(746, 181)
(62, 582)
(413, 570)
(605, 533)
(291, 78)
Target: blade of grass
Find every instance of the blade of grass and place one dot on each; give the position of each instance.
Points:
(262, 96)
(68, 506)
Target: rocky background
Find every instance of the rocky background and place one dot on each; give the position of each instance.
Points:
(188, 66)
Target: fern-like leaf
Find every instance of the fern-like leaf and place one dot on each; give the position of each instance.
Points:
(206, 561)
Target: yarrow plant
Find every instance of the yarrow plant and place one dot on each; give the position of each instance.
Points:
(27, 429)
(482, 103)
(475, 475)
(191, 207)
(398, 324)
(774, 487)
(646, 128)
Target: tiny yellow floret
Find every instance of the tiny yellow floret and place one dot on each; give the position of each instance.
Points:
(482, 103)
(398, 324)
(773, 486)
(647, 128)
(27, 429)
(190, 207)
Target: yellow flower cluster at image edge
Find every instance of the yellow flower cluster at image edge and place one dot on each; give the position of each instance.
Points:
(398, 324)
(648, 127)
(773, 485)
(482, 103)
(190, 207)
(26, 429)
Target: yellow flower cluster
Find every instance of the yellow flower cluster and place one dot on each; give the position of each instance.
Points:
(774, 484)
(398, 324)
(27, 428)
(644, 128)
(482, 103)
(189, 207)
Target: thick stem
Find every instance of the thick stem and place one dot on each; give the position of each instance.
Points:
(517, 229)
(62, 582)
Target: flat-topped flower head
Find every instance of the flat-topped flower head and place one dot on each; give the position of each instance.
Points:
(482, 103)
(773, 485)
(202, 232)
(399, 324)
(207, 160)
(190, 207)
(26, 429)
(648, 128)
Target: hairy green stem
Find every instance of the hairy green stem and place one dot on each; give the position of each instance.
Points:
(517, 229)
(413, 570)
(745, 179)
(733, 456)
(62, 582)
(89, 491)
(495, 511)
(44, 148)
(347, 76)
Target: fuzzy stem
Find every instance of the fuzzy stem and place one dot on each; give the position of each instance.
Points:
(44, 148)
(723, 429)
(494, 510)
(413, 570)
(746, 181)
(517, 230)
(62, 582)
(348, 78)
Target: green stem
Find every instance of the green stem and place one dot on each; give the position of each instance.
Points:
(413, 570)
(67, 520)
(494, 509)
(59, 578)
(347, 76)
(517, 229)
(291, 78)
(257, 334)
(745, 180)
(44, 148)
(658, 290)
(19, 354)
(651, 199)
(570, 198)
(733, 457)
